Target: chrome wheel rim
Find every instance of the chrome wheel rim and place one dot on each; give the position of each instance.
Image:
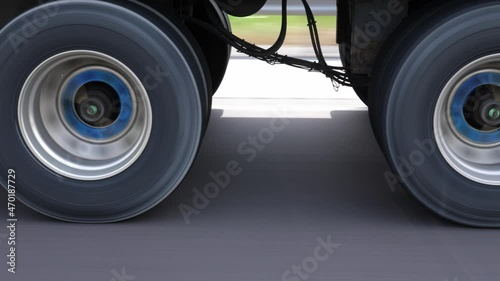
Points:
(467, 121)
(84, 115)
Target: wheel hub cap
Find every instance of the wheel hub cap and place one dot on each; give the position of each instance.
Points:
(85, 115)
(467, 121)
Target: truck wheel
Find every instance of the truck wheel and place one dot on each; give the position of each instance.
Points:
(435, 109)
(102, 109)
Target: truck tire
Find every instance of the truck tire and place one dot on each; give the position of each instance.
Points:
(435, 110)
(103, 108)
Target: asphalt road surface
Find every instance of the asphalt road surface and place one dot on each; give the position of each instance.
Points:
(309, 203)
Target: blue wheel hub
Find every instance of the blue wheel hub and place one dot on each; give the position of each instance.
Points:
(97, 104)
(475, 108)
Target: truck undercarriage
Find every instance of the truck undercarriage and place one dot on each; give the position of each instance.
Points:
(99, 94)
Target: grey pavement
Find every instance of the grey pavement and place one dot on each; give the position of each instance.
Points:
(312, 204)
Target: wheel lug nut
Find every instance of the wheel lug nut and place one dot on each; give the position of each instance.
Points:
(92, 110)
(494, 113)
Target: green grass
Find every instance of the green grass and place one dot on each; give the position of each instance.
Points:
(264, 29)
(261, 23)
